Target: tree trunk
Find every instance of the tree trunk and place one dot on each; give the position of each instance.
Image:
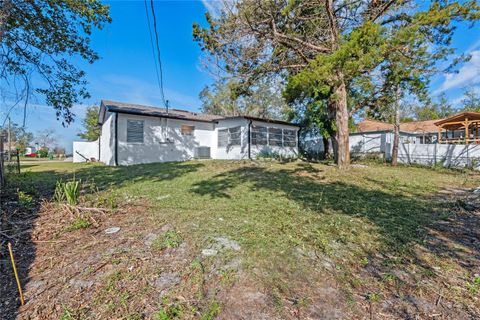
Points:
(341, 121)
(326, 148)
(396, 132)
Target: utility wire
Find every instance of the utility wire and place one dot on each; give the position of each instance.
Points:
(151, 44)
(158, 66)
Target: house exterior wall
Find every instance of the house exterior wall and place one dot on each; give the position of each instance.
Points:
(107, 140)
(162, 140)
(87, 149)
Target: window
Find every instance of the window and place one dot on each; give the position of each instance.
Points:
(223, 138)
(235, 136)
(259, 135)
(274, 137)
(187, 130)
(289, 138)
(135, 131)
(229, 137)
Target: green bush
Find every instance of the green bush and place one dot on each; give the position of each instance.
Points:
(43, 153)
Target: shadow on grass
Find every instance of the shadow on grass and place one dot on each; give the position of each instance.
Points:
(402, 218)
(18, 220)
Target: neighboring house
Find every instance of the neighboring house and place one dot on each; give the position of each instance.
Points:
(374, 136)
(133, 133)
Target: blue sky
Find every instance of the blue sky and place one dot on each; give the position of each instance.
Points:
(126, 71)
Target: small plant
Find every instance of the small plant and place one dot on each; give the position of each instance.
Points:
(474, 286)
(79, 223)
(59, 194)
(72, 191)
(170, 239)
(24, 199)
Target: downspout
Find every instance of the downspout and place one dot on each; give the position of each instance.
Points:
(99, 144)
(248, 140)
(116, 138)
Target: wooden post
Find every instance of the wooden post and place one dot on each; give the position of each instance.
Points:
(466, 130)
(18, 162)
(439, 135)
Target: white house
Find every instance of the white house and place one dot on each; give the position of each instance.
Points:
(132, 134)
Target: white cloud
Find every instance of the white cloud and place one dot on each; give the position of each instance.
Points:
(214, 7)
(469, 74)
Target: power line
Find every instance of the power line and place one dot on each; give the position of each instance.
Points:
(151, 44)
(158, 66)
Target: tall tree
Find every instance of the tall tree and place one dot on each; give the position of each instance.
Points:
(90, 124)
(46, 138)
(19, 136)
(264, 100)
(38, 39)
(437, 109)
(471, 100)
(322, 46)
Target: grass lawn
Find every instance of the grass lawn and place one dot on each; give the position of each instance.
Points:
(251, 240)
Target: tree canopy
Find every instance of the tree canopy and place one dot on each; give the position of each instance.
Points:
(90, 124)
(331, 49)
(264, 100)
(38, 38)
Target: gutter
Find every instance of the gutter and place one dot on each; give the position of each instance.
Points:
(248, 140)
(116, 138)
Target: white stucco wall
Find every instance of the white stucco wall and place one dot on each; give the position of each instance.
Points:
(87, 149)
(107, 140)
(163, 140)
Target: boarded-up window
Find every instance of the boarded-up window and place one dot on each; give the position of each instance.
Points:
(289, 138)
(187, 130)
(275, 137)
(229, 137)
(135, 131)
(259, 135)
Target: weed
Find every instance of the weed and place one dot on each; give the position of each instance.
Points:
(170, 239)
(59, 193)
(79, 223)
(212, 311)
(25, 200)
(474, 286)
(67, 314)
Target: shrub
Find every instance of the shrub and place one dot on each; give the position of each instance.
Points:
(43, 153)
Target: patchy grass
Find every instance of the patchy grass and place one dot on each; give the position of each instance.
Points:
(312, 241)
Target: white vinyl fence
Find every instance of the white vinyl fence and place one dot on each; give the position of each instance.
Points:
(410, 152)
(85, 151)
(448, 155)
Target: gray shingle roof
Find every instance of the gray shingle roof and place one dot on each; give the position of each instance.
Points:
(130, 108)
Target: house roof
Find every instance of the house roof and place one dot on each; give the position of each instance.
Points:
(130, 108)
(459, 117)
(369, 125)
(137, 109)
